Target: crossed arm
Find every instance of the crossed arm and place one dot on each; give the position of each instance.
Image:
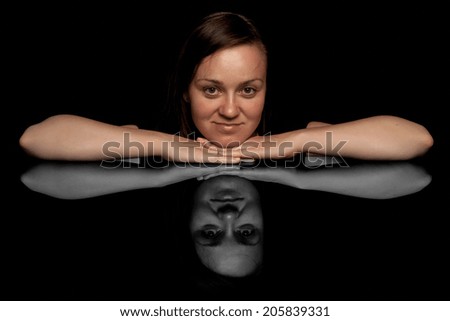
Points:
(373, 138)
(69, 137)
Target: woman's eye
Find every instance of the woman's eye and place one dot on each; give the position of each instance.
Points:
(249, 91)
(210, 233)
(247, 232)
(211, 91)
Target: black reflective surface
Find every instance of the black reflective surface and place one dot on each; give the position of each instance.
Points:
(226, 232)
(373, 231)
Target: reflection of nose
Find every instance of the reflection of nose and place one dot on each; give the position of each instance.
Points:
(228, 212)
(229, 108)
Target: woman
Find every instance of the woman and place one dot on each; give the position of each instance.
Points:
(218, 92)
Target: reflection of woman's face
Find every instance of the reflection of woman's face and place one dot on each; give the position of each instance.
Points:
(227, 94)
(227, 225)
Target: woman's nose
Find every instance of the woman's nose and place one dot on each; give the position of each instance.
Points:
(229, 108)
(228, 212)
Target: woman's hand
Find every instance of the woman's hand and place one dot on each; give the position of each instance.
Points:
(272, 147)
(185, 150)
(259, 147)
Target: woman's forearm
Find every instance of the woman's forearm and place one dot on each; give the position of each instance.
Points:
(374, 138)
(69, 137)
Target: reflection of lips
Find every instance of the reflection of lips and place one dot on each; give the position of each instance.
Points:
(227, 203)
(227, 200)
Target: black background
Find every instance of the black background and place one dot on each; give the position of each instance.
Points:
(329, 63)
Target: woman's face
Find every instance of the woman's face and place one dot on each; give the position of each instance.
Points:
(227, 225)
(227, 94)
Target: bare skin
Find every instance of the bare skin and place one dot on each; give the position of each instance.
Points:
(70, 137)
(374, 138)
(226, 108)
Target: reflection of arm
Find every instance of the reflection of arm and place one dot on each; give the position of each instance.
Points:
(84, 180)
(379, 181)
(371, 180)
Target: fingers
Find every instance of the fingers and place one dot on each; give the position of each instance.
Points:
(247, 151)
(199, 151)
(202, 140)
(222, 171)
(215, 156)
(220, 160)
(225, 152)
(206, 177)
(207, 144)
(246, 154)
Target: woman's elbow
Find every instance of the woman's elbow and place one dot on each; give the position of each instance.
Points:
(34, 142)
(416, 139)
(425, 141)
(26, 141)
(420, 145)
(37, 140)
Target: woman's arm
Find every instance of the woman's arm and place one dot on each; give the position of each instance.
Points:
(70, 137)
(373, 138)
(74, 138)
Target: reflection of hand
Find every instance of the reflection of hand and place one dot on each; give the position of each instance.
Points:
(221, 171)
(272, 175)
(181, 172)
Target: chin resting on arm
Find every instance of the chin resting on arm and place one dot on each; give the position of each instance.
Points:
(373, 138)
(74, 138)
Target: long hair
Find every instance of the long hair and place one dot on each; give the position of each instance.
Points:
(216, 31)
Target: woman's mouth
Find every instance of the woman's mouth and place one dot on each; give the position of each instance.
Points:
(227, 126)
